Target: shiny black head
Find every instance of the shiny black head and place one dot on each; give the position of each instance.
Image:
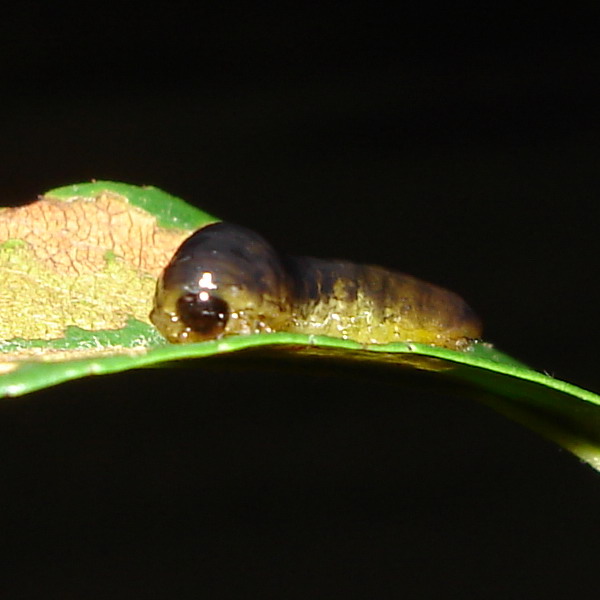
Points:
(224, 279)
(203, 313)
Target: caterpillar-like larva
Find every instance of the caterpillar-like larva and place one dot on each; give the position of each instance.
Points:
(228, 280)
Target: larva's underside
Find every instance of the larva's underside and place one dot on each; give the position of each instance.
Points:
(227, 280)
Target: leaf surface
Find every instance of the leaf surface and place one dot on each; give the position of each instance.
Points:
(78, 269)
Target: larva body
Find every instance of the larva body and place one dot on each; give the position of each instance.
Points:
(228, 280)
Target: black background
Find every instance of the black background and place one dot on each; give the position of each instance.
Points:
(459, 145)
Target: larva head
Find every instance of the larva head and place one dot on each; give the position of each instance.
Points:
(223, 280)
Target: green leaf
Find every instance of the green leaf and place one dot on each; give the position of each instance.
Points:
(77, 275)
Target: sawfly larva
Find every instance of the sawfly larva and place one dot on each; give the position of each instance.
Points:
(228, 280)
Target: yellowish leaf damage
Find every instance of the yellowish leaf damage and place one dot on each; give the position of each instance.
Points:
(88, 262)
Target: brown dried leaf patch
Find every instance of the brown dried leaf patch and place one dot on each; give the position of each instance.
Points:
(72, 237)
(86, 262)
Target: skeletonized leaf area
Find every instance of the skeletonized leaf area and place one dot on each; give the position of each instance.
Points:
(85, 262)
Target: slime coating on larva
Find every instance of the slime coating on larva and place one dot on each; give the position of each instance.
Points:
(228, 280)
